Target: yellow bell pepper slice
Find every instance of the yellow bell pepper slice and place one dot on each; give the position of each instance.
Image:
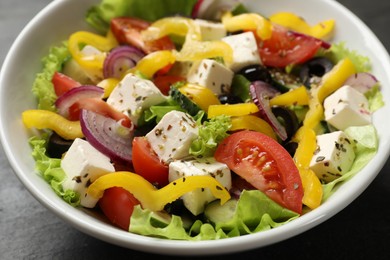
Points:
(193, 48)
(305, 136)
(152, 198)
(173, 25)
(248, 21)
(45, 119)
(90, 62)
(153, 62)
(297, 96)
(108, 85)
(201, 96)
(323, 30)
(312, 187)
(194, 51)
(240, 109)
(331, 81)
(251, 122)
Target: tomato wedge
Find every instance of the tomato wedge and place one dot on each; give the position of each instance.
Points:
(286, 47)
(147, 164)
(62, 83)
(164, 82)
(101, 107)
(127, 30)
(117, 205)
(265, 164)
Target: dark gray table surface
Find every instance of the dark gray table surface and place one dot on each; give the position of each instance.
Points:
(29, 231)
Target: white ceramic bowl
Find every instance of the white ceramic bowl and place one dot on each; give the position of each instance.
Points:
(60, 18)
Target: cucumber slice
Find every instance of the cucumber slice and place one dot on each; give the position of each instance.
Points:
(184, 102)
(160, 219)
(217, 213)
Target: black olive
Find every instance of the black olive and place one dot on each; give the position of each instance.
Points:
(288, 119)
(229, 99)
(255, 73)
(291, 147)
(57, 146)
(316, 67)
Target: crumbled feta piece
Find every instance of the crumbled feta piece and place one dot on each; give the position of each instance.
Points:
(212, 75)
(347, 107)
(171, 138)
(211, 31)
(245, 51)
(83, 164)
(333, 157)
(195, 201)
(132, 95)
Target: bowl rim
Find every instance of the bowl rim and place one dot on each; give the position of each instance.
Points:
(111, 235)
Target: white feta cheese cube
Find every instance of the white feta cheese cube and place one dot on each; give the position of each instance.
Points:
(133, 95)
(211, 74)
(333, 157)
(245, 51)
(195, 201)
(171, 138)
(83, 164)
(347, 107)
(211, 31)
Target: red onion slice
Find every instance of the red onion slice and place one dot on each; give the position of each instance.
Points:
(362, 81)
(120, 60)
(261, 93)
(65, 101)
(107, 135)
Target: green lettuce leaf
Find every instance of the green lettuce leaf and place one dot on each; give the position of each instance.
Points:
(210, 134)
(254, 212)
(141, 222)
(339, 51)
(50, 169)
(42, 86)
(366, 147)
(99, 16)
(155, 113)
(375, 98)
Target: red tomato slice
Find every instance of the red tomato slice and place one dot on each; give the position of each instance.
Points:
(98, 106)
(127, 30)
(164, 82)
(285, 48)
(147, 164)
(117, 205)
(265, 164)
(62, 83)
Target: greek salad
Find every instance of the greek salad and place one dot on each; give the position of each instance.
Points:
(200, 119)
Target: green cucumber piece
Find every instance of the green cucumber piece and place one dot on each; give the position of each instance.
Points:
(160, 219)
(184, 102)
(217, 213)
